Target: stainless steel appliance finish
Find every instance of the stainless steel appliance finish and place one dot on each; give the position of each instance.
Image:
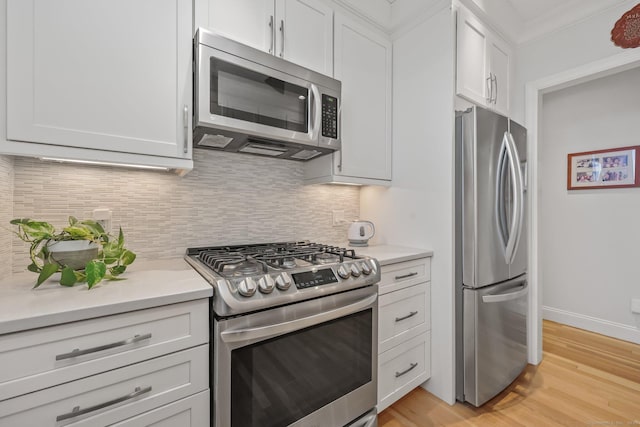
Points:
(249, 101)
(491, 254)
(248, 278)
(294, 334)
(308, 364)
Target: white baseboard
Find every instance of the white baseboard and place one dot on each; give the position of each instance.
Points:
(593, 324)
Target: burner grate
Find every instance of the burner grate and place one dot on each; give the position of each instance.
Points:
(256, 259)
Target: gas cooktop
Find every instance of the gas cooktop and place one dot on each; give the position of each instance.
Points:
(255, 277)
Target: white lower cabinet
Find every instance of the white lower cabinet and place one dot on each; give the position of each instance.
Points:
(189, 412)
(404, 329)
(130, 370)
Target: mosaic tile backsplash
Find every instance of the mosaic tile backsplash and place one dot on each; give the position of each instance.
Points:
(227, 199)
(6, 213)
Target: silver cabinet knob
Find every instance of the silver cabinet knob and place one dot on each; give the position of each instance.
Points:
(355, 270)
(283, 282)
(247, 287)
(266, 284)
(343, 272)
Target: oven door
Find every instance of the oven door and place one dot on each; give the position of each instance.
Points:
(312, 363)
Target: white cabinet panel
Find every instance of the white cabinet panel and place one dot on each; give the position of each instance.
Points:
(401, 312)
(112, 396)
(300, 31)
(190, 412)
(305, 34)
(483, 63)
(247, 21)
(363, 64)
(403, 368)
(404, 274)
(404, 329)
(44, 357)
(499, 58)
(107, 77)
(473, 70)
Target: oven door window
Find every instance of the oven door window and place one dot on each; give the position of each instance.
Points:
(279, 381)
(243, 94)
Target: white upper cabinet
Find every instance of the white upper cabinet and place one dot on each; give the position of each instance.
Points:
(300, 31)
(483, 63)
(100, 78)
(362, 63)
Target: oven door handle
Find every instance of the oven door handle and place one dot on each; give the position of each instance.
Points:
(266, 331)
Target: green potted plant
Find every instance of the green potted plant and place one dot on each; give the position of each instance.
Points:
(82, 252)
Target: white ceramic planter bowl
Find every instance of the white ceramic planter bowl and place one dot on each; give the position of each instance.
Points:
(73, 253)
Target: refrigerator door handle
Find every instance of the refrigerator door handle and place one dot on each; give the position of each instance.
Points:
(509, 296)
(516, 190)
(518, 198)
(500, 210)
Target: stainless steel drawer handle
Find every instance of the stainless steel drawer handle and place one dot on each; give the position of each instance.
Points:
(404, 276)
(400, 319)
(410, 368)
(77, 352)
(76, 411)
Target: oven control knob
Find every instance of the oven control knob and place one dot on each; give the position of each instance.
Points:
(366, 270)
(355, 270)
(343, 272)
(247, 287)
(283, 282)
(266, 284)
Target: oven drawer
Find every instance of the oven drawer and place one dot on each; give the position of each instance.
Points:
(112, 396)
(45, 357)
(404, 274)
(403, 368)
(190, 412)
(401, 312)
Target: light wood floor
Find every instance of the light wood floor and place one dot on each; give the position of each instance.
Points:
(585, 379)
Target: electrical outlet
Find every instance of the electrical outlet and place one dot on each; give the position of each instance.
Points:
(103, 217)
(338, 217)
(635, 305)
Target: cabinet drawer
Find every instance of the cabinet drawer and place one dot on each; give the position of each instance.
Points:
(190, 412)
(403, 368)
(404, 274)
(400, 312)
(45, 357)
(112, 396)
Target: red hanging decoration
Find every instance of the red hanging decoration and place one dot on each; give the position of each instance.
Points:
(626, 32)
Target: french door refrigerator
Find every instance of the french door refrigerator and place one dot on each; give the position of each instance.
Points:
(491, 254)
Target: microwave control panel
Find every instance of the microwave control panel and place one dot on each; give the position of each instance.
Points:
(329, 116)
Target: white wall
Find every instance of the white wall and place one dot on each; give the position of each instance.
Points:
(589, 238)
(586, 41)
(418, 209)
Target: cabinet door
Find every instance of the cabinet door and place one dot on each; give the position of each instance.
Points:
(250, 22)
(305, 34)
(363, 64)
(499, 59)
(472, 80)
(111, 76)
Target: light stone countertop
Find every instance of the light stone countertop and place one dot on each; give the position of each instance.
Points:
(389, 254)
(148, 284)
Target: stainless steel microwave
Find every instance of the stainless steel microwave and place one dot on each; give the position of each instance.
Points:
(248, 101)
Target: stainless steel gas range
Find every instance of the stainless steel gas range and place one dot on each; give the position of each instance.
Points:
(294, 334)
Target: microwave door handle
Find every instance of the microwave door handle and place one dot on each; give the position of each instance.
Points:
(315, 112)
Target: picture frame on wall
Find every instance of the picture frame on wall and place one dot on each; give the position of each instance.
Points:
(611, 168)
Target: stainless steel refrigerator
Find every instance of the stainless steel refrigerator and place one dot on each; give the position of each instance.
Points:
(491, 254)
